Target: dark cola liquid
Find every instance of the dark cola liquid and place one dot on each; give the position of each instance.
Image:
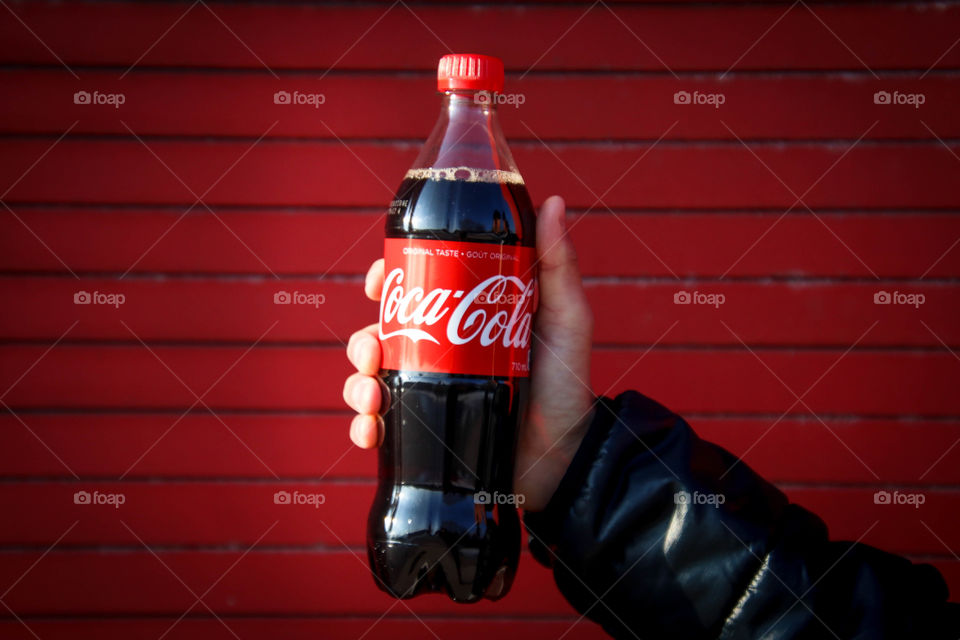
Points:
(450, 436)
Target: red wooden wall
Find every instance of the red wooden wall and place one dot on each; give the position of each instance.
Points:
(197, 199)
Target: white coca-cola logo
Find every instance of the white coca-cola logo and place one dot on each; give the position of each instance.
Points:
(473, 317)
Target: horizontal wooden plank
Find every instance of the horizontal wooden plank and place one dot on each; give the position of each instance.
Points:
(778, 313)
(874, 175)
(282, 241)
(285, 444)
(239, 513)
(866, 382)
(310, 446)
(268, 583)
(761, 245)
(567, 37)
(396, 627)
(301, 242)
(184, 310)
(808, 451)
(901, 528)
(593, 106)
(187, 514)
(773, 313)
(123, 376)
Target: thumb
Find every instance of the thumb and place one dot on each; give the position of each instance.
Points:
(563, 302)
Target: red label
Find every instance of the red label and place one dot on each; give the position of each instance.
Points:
(457, 307)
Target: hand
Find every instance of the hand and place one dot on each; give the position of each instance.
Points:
(561, 401)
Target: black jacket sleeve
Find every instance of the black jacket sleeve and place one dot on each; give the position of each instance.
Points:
(654, 533)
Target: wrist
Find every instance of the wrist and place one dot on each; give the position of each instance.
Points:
(569, 442)
(556, 460)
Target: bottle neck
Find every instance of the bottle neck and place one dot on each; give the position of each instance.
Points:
(472, 125)
(469, 104)
(467, 134)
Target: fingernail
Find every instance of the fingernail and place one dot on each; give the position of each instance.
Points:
(562, 219)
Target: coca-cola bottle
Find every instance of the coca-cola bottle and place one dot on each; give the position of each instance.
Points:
(455, 331)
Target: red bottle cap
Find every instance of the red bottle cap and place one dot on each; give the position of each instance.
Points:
(470, 71)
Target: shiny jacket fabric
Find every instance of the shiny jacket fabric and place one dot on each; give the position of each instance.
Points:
(640, 541)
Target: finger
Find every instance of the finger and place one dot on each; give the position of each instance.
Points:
(363, 350)
(373, 285)
(561, 288)
(362, 393)
(366, 431)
